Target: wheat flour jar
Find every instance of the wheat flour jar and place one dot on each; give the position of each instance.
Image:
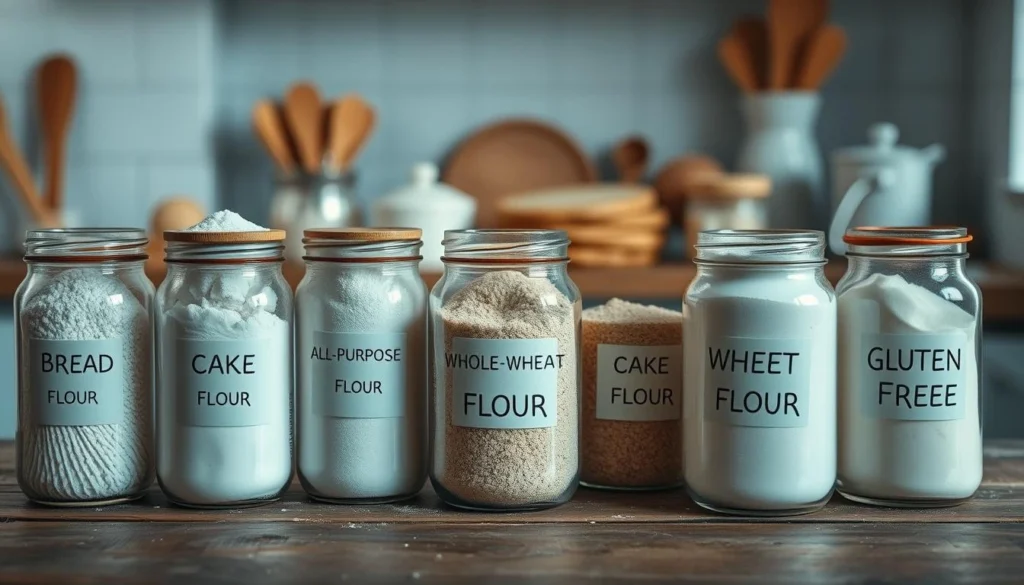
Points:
(759, 408)
(909, 384)
(224, 365)
(84, 379)
(362, 372)
(505, 323)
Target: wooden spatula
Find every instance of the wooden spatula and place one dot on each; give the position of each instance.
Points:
(732, 52)
(790, 25)
(269, 128)
(825, 50)
(56, 89)
(302, 112)
(12, 160)
(352, 122)
(754, 33)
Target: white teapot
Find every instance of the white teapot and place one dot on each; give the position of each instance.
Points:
(882, 184)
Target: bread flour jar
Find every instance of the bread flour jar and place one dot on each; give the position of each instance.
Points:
(505, 321)
(759, 406)
(224, 365)
(909, 385)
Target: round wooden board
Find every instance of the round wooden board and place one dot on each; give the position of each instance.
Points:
(654, 220)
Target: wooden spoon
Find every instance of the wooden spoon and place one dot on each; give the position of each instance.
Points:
(56, 86)
(753, 32)
(733, 54)
(12, 160)
(352, 122)
(630, 158)
(302, 112)
(824, 52)
(790, 25)
(269, 128)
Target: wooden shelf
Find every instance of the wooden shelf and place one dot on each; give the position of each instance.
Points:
(1003, 289)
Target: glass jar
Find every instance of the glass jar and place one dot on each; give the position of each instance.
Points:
(224, 369)
(759, 396)
(84, 367)
(727, 201)
(302, 201)
(909, 368)
(505, 383)
(362, 398)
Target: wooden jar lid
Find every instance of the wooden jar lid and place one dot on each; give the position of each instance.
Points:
(356, 234)
(255, 237)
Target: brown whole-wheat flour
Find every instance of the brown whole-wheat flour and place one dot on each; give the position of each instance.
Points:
(509, 467)
(627, 453)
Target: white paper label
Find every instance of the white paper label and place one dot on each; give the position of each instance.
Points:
(639, 382)
(504, 383)
(757, 382)
(227, 383)
(358, 375)
(77, 382)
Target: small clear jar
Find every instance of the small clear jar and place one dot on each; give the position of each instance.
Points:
(302, 201)
(759, 397)
(505, 379)
(910, 423)
(726, 202)
(362, 372)
(84, 367)
(224, 369)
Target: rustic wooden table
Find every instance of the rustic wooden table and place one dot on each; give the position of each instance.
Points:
(598, 537)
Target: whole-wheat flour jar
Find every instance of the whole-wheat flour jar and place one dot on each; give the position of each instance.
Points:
(505, 371)
(632, 397)
(84, 368)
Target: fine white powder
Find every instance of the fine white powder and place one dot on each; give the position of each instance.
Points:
(891, 459)
(363, 458)
(100, 462)
(226, 221)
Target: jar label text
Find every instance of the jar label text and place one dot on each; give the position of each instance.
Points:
(358, 375)
(77, 383)
(224, 383)
(639, 382)
(914, 377)
(757, 382)
(504, 383)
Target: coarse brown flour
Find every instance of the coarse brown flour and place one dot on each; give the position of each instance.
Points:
(508, 467)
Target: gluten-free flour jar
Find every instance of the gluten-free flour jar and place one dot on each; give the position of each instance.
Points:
(505, 371)
(909, 384)
(224, 365)
(759, 408)
(362, 372)
(84, 378)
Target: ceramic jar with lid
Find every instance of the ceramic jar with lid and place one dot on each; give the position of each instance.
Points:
(726, 201)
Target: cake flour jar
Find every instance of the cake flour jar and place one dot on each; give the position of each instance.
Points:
(224, 365)
(361, 377)
(759, 408)
(909, 385)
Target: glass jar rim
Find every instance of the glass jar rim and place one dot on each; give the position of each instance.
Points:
(362, 245)
(907, 241)
(93, 244)
(505, 245)
(770, 246)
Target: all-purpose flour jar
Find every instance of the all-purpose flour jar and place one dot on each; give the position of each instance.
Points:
(84, 378)
(759, 397)
(224, 365)
(909, 386)
(505, 322)
(362, 372)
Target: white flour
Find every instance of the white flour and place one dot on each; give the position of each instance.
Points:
(226, 221)
(99, 462)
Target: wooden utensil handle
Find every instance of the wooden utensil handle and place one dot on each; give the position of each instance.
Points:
(20, 175)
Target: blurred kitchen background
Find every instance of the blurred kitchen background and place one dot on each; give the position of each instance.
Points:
(165, 95)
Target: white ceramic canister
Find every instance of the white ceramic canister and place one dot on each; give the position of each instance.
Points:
(759, 390)
(882, 183)
(429, 205)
